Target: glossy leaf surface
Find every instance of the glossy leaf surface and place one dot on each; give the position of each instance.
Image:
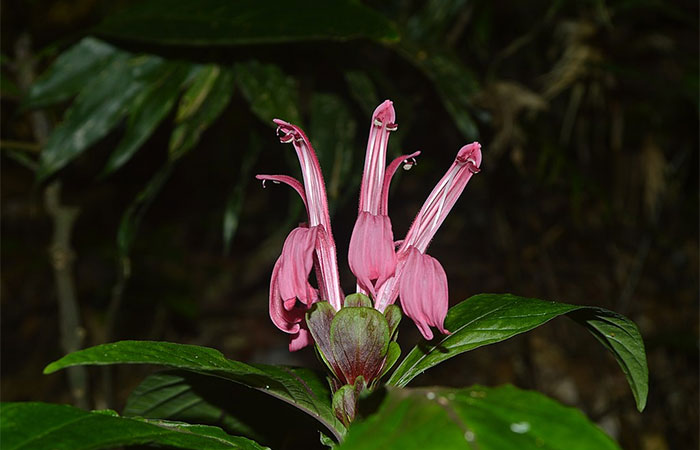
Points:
(39, 426)
(97, 110)
(299, 387)
(490, 318)
(479, 417)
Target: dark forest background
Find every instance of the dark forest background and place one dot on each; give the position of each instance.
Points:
(151, 224)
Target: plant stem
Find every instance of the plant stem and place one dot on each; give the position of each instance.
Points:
(62, 257)
(60, 251)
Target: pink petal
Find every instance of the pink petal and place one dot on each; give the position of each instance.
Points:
(286, 320)
(317, 209)
(301, 339)
(423, 292)
(371, 255)
(296, 263)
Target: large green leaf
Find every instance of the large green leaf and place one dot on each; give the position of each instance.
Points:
(149, 109)
(271, 93)
(489, 318)
(200, 105)
(215, 22)
(299, 387)
(101, 104)
(501, 418)
(37, 426)
(72, 71)
(187, 397)
(209, 400)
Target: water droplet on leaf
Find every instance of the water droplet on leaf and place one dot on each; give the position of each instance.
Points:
(520, 427)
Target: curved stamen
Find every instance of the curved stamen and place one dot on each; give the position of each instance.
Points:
(388, 175)
(289, 181)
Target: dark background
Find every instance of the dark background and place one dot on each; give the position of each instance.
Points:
(588, 116)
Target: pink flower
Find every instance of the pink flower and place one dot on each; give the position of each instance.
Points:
(384, 269)
(371, 255)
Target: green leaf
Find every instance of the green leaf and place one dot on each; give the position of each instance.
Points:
(489, 318)
(72, 71)
(101, 104)
(479, 418)
(299, 387)
(393, 318)
(39, 426)
(210, 400)
(203, 102)
(149, 109)
(319, 319)
(187, 397)
(356, 300)
(271, 93)
(392, 355)
(359, 342)
(212, 22)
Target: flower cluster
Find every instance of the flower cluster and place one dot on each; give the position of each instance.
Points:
(385, 269)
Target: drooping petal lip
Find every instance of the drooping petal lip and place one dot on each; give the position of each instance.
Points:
(424, 293)
(371, 253)
(296, 263)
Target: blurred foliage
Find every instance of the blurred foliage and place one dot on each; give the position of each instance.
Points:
(161, 114)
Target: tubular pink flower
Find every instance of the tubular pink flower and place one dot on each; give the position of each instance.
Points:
(317, 208)
(431, 215)
(443, 197)
(371, 254)
(423, 292)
